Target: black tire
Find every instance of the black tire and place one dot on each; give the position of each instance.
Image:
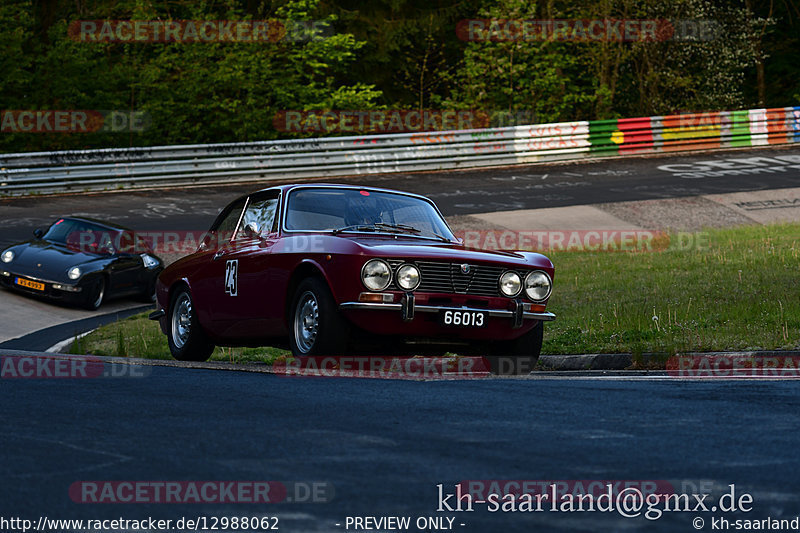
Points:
(95, 293)
(186, 338)
(516, 357)
(315, 325)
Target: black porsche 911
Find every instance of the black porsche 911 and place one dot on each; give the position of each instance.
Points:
(81, 261)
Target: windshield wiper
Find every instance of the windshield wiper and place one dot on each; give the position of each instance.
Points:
(399, 228)
(402, 227)
(355, 227)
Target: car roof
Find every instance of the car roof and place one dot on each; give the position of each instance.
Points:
(107, 225)
(290, 186)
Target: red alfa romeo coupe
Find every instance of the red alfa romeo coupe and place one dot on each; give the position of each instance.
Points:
(327, 269)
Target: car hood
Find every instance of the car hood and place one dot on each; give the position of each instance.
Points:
(441, 251)
(46, 259)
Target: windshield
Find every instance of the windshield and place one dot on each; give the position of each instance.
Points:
(337, 210)
(85, 236)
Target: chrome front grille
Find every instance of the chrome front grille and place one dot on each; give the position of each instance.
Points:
(448, 278)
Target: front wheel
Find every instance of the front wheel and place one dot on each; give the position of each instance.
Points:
(317, 327)
(519, 356)
(95, 294)
(186, 338)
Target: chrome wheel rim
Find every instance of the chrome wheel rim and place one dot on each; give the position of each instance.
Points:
(100, 293)
(306, 322)
(181, 320)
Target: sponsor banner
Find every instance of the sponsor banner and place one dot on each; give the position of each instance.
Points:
(384, 367)
(734, 366)
(73, 121)
(605, 137)
(699, 130)
(585, 30)
(635, 135)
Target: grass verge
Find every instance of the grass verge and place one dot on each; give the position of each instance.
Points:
(138, 336)
(738, 290)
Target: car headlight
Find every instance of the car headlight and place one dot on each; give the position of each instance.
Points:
(538, 285)
(74, 273)
(7, 256)
(376, 275)
(149, 261)
(510, 283)
(408, 277)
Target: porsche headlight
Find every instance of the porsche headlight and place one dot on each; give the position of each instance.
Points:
(408, 277)
(149, 261)
(538, 285)
(510, 284)
(74, 273)
(376, 275)
(7, 256)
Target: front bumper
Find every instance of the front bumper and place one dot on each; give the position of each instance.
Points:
(52, 289)
(407, 308)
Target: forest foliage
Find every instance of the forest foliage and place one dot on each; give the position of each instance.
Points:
(383, 55)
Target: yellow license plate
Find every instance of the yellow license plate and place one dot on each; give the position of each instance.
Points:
(30, 284)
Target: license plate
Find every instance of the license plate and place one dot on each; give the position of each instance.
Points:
(30, 284)
(463, 319)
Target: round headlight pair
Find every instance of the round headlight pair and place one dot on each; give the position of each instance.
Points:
(376, 276)
(537, 285)
(7, 256)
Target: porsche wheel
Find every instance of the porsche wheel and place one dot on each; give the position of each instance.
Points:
(517, 357)
(95, 294)
(186, 338)
(317, 328)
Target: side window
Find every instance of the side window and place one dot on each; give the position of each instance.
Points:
(260, 213)
(226, 225)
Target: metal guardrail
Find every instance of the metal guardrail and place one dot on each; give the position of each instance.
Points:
(126, 168)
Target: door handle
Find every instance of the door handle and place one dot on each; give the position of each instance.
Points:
(218, 255)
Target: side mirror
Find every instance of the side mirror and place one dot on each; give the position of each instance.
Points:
(251, 230)
(209, 240)
(38, 233)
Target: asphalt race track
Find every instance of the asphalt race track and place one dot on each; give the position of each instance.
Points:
(381, 447)
(456, 193)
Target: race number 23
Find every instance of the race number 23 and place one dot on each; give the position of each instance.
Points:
(232, 277)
